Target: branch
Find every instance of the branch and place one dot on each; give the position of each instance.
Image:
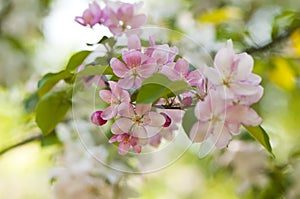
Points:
(26, 141)
(271, 44)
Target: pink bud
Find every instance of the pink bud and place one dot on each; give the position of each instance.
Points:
(187, 101)
(168, 120)
(97, 119)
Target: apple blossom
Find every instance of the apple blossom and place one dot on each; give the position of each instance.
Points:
(125, 142)
(233, 72)
(114, 97)
(93, 15)
(124, 18)
(137, 67)
(136, 120)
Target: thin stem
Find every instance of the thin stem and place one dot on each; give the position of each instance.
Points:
(273, 43)
(23, 142)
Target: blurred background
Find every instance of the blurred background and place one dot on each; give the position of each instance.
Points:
(38, 36)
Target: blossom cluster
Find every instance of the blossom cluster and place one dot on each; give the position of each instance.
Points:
(118, 18)
(220, 96)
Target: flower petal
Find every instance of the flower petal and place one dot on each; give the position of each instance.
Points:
(109, 113)
(105, 96)
(139, 132)
(132, 58)
(125, 124)
(182, 67)
(252, 118)
(142, 109)
(118, 67)
(127, 83)
(134, 42)
(199, 131)
(156, 119)
(137, 21)
(245, 66)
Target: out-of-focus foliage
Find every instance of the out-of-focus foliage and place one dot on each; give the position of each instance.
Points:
(20, 32)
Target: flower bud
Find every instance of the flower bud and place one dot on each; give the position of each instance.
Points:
(168, 120)
(97, 119)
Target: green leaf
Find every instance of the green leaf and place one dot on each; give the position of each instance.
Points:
(30, 102)
(51, 110)
(96, 70)
(261, 136)
(189, 120)
(284, 21)
(77, 60)
(157, 86)
(51, 79)
(50, 139)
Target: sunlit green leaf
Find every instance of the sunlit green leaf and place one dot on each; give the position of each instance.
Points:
(77, 60)
(96, 70)
(51, 79)
(261, 136)
(51, 110)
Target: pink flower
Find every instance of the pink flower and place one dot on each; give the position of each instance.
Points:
(137, 67)
(233, 72)
(125, 142)
(167, 130)
(181, 71)
(97, 119)
(125, 18)
(92, 15)
(135, 121)
(114, 97)
(219, 120)
(163, 54)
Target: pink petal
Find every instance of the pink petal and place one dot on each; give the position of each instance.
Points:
(124, 124)
(199, 131)
(118, 67)
(137, 21)
(170, 73)
(224, 60)
(253, 79)
(126, 110)
(203, 110)
(125, 12)
(127, 82)
(137, 148)
(155, 140)
(234, 128)
(123, 148)
(182, 67)
(243, 89)
(132, 58)
(223, 138)
(117, 31)
(146, 70)
(138, 82)
(252, 118)
(139, 132)
(105, 96)
(114, 138)
(115, 129)
(236, 113)
(109, 113)
(195, 78)
(142, 109)
(156, 119)
(213, 75)
(245, 66)
(134, 42)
